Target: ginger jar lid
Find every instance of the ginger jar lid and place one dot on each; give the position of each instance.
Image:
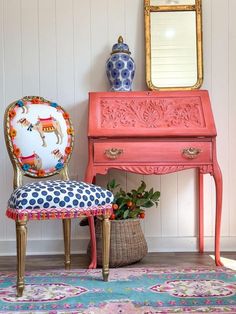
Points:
(120, 46)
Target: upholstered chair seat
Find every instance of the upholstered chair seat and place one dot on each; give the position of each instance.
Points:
(58, 199)
(39, 137)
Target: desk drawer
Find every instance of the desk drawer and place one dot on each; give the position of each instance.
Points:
(113, 152)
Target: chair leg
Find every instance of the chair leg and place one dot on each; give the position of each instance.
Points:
(21, 240)
(106, 226)
(67, 241)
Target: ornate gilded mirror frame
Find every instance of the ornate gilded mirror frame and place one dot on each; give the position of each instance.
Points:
(196, 8)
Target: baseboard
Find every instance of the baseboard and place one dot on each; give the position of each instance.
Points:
(44, 247)
(155, 244)
(188, 244)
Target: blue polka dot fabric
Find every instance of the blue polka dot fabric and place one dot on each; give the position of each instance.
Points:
(58, 199)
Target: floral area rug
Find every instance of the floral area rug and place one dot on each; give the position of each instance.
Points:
(128, 291)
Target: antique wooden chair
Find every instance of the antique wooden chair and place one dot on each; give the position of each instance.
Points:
(39, 138)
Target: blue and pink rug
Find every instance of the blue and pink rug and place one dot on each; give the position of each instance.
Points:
(129, 291)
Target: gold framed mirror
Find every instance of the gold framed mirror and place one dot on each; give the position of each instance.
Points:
(173, 35)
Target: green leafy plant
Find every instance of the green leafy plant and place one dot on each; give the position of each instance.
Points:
(131, 204)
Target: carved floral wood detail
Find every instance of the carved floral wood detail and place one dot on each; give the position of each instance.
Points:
(149, 113)
(165, 169)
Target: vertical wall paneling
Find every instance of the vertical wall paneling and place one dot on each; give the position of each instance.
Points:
(12, 23)
(134, 23)
(12, 49)
(65, 51)
(169, 205)
(116, 10)
(232, 115)
(209, 205)
(3, 155)
(207, 43)
(99, 44)
(220, 95)
(47, 49)
(82, 70)
(153, 215)
(58, 49)
(30, 47)
(187, 201)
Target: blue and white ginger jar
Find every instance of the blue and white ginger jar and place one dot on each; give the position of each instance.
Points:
(120, 67)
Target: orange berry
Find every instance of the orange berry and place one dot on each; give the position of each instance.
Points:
(129, 204)
(115, 206)
(112, 217)
(142, 215)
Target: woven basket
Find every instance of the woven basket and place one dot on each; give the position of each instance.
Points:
(128, 244)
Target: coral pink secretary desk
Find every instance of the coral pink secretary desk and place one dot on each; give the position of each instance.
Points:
(155, 133)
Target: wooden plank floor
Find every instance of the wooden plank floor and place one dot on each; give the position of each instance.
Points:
(151, 260)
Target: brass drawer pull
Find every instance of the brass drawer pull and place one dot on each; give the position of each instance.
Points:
(113, 153)
(191, 152)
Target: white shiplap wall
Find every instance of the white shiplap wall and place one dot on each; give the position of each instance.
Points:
(57, 49)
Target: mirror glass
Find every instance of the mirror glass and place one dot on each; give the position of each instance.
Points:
(173, 44)
(174, 55)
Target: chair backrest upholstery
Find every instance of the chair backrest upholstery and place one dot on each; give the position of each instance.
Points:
(39, 136)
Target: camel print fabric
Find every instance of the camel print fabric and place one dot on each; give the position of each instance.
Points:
(41, 135)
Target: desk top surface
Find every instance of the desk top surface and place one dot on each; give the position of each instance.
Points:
(150, 114)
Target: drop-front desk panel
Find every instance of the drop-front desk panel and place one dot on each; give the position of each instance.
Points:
(155, 133)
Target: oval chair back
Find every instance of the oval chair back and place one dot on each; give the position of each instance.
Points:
(39, 136)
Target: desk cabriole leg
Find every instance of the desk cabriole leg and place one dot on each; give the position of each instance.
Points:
(219, 190)
(89, 178)
(93, 263)
(200, 212)
(67, 242)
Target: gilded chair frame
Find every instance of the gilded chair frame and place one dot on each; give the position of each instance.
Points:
(21, 224)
